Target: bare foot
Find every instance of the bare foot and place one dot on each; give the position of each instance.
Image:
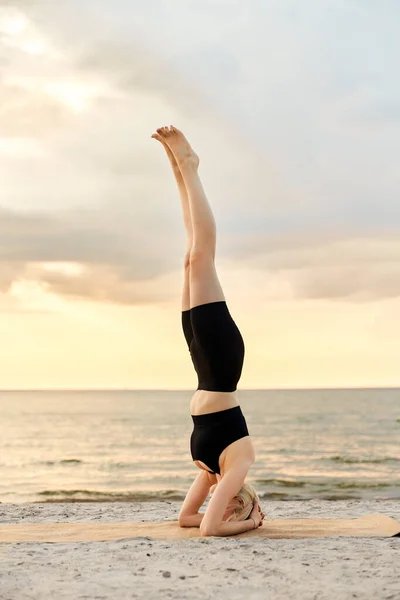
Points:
(180, 147)
(168, 150)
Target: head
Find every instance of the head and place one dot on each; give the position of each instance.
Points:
(240, 507)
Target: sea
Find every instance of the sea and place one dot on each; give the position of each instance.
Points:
(133, 445)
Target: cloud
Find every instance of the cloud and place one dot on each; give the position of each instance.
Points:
(327, 267)
(291, 140)
(87, 238)
(378, 114)
(116, 267)
(29, 113)
(133, 68)
(350, 281)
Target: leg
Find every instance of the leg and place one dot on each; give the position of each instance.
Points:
(186, 216)
(204, 283)
(186, 283)
(205, 286)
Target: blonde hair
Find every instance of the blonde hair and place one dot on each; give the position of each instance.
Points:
(246, 498)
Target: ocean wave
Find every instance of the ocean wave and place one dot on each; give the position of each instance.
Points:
(282, 482)
(268, 489)
(64, 461)
(346, 485)
(333, 484)
(354, 460)
(104, 496)
(325, 495)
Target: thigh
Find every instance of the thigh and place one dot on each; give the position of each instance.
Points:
(187, 327)
(205, 286)
(186, 288)
(215, 331)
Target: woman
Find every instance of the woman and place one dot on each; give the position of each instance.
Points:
(220, 442)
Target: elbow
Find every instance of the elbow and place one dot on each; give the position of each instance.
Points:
(185, 521)
(208, 531)
(182, 521)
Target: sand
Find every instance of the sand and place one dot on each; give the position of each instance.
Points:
(331, 568)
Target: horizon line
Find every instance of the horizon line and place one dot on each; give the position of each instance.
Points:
(272, 389)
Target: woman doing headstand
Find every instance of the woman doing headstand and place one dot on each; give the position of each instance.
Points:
(220, 443)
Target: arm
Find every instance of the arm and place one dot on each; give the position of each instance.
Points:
(189, 515)
(227, 488)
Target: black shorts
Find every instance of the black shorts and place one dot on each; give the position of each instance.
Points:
(215, 345)
(213, 432)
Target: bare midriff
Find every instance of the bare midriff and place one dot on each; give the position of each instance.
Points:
(204, 401)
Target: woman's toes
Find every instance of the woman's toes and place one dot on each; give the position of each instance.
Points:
(177, 131)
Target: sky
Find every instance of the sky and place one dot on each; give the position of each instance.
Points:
(294, 109)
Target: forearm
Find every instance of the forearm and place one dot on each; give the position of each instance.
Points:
(191, 520)
(230, 528)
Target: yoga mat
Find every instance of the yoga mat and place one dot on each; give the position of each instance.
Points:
(374, 525)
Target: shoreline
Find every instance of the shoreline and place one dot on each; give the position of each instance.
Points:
(167, 510)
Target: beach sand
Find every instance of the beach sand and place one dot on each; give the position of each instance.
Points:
(218, 568)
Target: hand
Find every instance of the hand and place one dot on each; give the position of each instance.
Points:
(257, 514)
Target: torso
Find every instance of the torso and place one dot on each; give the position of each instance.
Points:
(203, 402)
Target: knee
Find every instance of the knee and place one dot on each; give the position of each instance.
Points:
(201, 256)
(186, 260)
